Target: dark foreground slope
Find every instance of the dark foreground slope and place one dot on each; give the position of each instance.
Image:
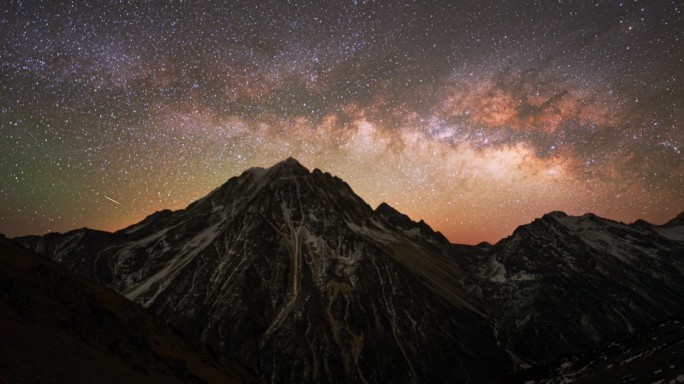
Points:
(655, 355)
(292, 274)
(57, 327)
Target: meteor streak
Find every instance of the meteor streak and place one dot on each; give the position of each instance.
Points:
(114, 201)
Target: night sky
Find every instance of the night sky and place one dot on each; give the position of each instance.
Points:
(476, 116)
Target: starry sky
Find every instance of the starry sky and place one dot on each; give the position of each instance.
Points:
(476, 116)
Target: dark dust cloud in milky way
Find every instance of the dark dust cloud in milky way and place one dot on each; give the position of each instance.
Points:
(475, 116)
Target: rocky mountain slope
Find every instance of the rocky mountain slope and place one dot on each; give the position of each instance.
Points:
(292, 274)
(57, 327)
(564, 284)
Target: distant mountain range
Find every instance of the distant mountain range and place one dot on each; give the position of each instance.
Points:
(292, 274)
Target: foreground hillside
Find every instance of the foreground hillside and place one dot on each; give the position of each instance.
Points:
(57, 327)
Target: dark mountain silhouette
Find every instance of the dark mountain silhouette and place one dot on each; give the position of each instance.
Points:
(292, 274)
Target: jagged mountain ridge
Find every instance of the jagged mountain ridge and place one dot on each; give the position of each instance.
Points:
(291, 273)
(277, 250)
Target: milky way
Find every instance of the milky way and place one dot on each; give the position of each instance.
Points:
(474, 116)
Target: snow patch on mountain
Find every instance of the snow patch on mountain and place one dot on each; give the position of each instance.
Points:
(257, 172)
(494, 271)
(135, 228)
(675, 233)
(379, 234)
(152, 286)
